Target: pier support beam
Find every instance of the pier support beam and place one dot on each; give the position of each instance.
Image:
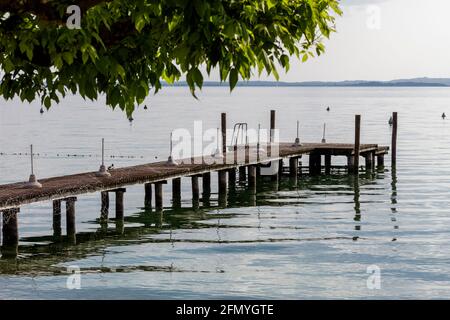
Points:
(350, 163)
(222, 188)
(57, 220)
(70, 219)
(232, 176)
(369, 160)
(206, 186)
(119, 203)
(315, 165)
(104, 211)
(293, 167)
(242, 174)
(148, 195)
(159, 196)
(380, 160)
(328, 164)
(252, 177)
(280, 168)
(10, 229)
(195, 189)
(176, 192)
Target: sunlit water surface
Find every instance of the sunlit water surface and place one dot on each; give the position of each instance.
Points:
(306, 240)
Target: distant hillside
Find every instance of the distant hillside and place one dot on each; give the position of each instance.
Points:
(416, 82)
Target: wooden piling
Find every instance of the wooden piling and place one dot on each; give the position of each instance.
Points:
(242, 174)
(104, 211)
(380, 160)
(315, 164)
(272, 132)
(394, 139)
(222, 181)
(195, 189)
(70, 219)
(119, 203)
(293, 167)
(206, 183)
(280, 167)
(10, 233)
(57, 218)
(328, 164)
(148, 195)
(252, 176)
(176, 192)
(159, 196)
(232, 176)
(350, 164)
(357, 143)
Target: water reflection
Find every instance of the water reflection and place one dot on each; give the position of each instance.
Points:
(46, 254)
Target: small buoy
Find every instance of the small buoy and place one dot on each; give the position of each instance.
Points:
(145, 107)
(328, 109)
(391, 121)
(41, 111)
(444, 116)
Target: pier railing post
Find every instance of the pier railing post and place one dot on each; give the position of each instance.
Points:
(394, 139)
(10, 229)
(357, 144)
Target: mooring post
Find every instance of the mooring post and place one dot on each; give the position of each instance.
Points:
(119, 203)
(293, 167)
(394, 139)
(357, 143)
(10, 245)
(222, 175)
(315, 164)
(148, 195)
(242, 174)
(159, 196)
(104, 211)
(350, 163)
(224, 133)
(70, 219)
(328, 164)
(57, 219)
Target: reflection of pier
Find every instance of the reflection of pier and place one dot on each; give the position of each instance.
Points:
(47, 255)
(65, 189)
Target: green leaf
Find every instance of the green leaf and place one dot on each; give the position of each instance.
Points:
(233, 78)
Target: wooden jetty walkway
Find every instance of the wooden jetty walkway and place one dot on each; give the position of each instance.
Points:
(154, 175)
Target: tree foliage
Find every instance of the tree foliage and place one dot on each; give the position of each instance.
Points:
(126, 48)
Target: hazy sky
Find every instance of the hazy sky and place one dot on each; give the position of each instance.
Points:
(412, 39)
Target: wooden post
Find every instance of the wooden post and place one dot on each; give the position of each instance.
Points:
(206, 183)
(280, 167)
(159, 196)
(176, 192)
(328, 164)
(148, 195)
(394, 139)
(70, 219)
(105, 206)
(195, 189)
(293, 167)
(222, 188)
(380, 160)
(252, 176)
(357, 143)
(242, 174)
(272, 132)
(315, 164)
(232, 176)
(10, 245)
(119, 203)
(57, 219)
(350, 163)
(224, 133)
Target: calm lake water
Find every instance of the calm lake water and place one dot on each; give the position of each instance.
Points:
(313, 239)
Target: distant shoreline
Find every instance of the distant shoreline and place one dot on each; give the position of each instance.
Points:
(418, 82)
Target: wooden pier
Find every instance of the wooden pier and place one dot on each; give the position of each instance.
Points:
(154, 175)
